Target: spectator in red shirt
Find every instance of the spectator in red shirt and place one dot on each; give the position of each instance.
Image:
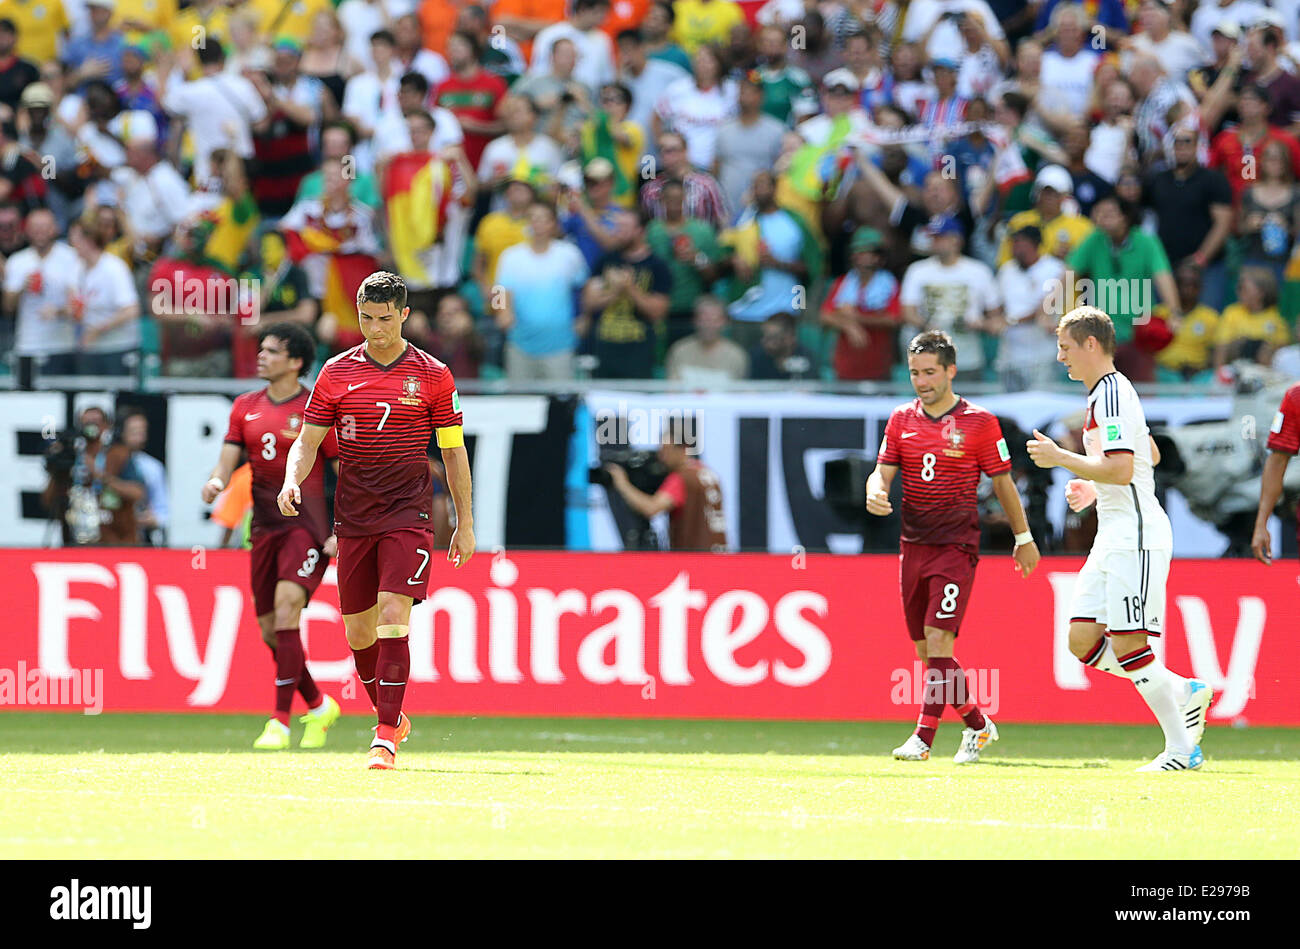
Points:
(472, 94)
(1232, 147)
(863, 306)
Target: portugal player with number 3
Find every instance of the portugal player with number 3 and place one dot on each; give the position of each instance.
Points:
(289, 557)
(941, 443)
(385, 399)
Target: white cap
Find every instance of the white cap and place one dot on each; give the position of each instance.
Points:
(841, 77)
(1054, 177)
(134, 127)
(1267, 17)
(1229, 27)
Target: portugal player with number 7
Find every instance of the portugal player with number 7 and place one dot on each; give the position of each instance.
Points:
(941, 443)
(385, 399)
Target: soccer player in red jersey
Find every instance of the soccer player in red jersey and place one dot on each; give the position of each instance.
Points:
(289, 557)
(941, 443)
(1283, 443)
(385, 399)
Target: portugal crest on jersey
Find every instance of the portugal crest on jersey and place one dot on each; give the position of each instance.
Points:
(956, 438)
(293, 426)
(411, 391)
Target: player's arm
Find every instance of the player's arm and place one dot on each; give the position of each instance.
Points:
(455, 460)
(1261, 544)
(302, 458)
(1026, 553)
(878, 485)
(227, 462)
(647, 505)
(1113, 468)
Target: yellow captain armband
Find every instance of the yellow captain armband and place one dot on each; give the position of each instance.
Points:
(453, 436)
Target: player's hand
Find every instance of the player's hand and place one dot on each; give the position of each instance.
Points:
(330, 548)
(1044, 452)
(211, 489)
(878, 503)
(1080, 494)
(289, 496)
(462, 545)
(1261, 544)
(1026, 557)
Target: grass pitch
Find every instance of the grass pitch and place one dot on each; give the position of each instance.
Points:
(189, 786)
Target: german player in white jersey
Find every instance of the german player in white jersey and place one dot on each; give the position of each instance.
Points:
(1119, 596)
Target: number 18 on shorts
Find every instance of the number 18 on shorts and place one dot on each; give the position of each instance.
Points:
(1124, 590)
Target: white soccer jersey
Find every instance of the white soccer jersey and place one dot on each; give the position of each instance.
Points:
(1128, 515)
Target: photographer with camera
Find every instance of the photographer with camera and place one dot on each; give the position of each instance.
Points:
(93, 488)
(690, 494)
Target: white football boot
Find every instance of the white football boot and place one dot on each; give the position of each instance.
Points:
(1174, 761)
(1195, 709)
(913, 750)
(972, 742)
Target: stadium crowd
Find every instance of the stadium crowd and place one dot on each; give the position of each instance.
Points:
(699, 190)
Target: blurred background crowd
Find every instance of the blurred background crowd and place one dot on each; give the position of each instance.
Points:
(699, 191)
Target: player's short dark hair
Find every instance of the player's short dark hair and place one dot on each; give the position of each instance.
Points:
(297, 340)
(937, 342)
(383, 287)
(1085, 321)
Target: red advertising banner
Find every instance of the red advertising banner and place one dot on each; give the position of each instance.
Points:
(630, 635)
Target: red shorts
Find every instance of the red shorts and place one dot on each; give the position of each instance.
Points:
(396, 562)
(292, 555)
(936, 581)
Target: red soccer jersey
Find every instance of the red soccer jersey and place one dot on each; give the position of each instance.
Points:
(940, 461)
(475, 98)
(1284, 433)
(385, 417)
(265, 429)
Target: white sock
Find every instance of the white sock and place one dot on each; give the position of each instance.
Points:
(319, 706)
(1108, 662)
(1159, 689)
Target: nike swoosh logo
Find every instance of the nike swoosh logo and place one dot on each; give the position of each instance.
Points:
(945, 615)
(414, 583)
(357, 386)
(907, 434)
(249, 418)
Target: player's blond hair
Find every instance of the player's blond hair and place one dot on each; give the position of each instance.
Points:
(1085, 321)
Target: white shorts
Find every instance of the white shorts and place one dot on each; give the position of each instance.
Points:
(1124, 590)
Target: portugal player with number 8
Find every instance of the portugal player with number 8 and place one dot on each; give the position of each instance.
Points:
(385, 399)
(941, 443)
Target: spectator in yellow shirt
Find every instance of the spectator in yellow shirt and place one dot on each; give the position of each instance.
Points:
(697, 22)
(499, 230)
(288, 17)
(1061, 232)
(1189, 352)
(137, 17)
(1252, 328)
(41, 25)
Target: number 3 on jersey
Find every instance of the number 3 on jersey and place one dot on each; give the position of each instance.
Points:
(928, 461)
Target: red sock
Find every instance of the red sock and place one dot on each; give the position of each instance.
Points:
(288, 670)
(394, 665)
(931, 706)
(307, 687)
(954, 686)
(366, 660)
